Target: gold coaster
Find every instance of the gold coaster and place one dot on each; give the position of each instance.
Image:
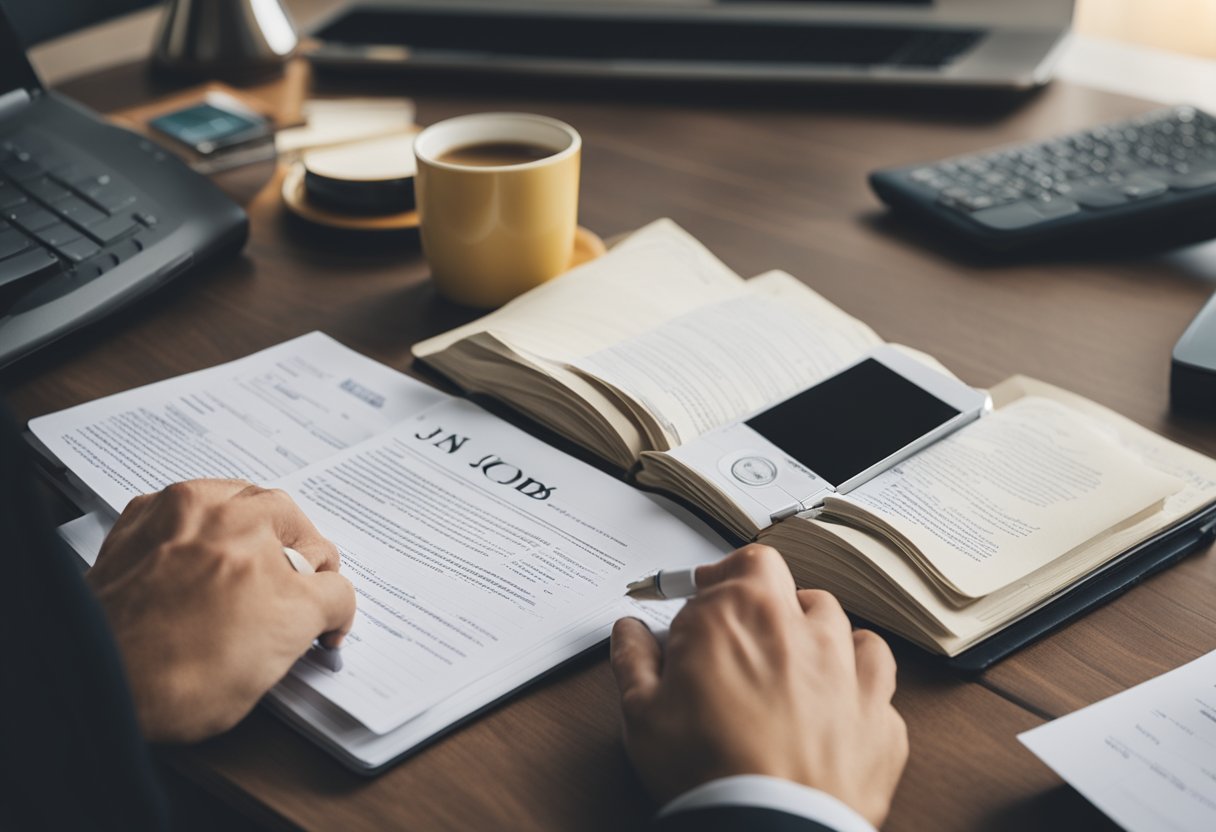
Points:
(587, 247)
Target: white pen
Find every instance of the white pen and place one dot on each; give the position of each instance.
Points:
(328, 657)
(666, 583)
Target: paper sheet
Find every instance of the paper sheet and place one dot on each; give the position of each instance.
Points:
(256, 418)
(1147, 756)
(468, 542)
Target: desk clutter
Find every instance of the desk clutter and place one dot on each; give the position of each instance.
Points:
(1058, 492)
(485, 557)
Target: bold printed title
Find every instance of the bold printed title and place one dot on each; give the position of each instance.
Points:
(491, 466)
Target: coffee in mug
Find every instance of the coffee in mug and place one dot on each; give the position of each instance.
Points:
(495, 154)
(497, 197)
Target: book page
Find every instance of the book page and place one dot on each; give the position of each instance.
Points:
(727, 360)
(468, 543)
(256, 418)
(1143, 756)
(1006, 495)
(655, 274)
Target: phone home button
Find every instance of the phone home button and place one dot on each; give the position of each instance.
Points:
(754, 470)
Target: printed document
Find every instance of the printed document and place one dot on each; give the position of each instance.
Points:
(469, 542)
(256, 418)
(1147, 756)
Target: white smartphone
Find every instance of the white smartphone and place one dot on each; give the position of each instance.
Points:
(832, 437)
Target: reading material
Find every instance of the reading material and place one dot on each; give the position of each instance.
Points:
(474, 548)
(483, 557)
(656, 343)
(1144, 756)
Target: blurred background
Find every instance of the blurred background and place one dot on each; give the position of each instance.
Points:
(1186, 28)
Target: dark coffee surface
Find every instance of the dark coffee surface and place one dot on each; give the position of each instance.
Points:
(495, 154)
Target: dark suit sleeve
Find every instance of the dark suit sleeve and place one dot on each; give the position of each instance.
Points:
(736, 819)
(71, 755)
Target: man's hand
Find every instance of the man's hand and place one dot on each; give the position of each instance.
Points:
(759, 678)
(206, 610)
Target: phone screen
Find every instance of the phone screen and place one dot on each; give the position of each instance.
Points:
(206, 127)
(859, 417)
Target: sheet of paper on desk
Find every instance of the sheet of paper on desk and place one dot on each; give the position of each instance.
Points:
(256, 418)
(1147, 756)
(469, 542)
(467, 561)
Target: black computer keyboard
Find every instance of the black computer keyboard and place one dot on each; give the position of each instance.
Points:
(1127, 175)
(63, 219)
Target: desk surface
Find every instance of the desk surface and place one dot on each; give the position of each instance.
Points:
(769, 183)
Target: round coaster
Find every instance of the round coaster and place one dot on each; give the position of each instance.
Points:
(587, 247)
(373, 177)
(296, 200)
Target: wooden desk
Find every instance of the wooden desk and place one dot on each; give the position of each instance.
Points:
(768, 183)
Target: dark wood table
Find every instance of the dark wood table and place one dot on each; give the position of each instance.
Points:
(767, 180)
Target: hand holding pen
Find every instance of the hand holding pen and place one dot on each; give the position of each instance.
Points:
(759, 678)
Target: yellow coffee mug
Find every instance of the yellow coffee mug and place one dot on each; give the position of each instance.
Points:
(496, 223)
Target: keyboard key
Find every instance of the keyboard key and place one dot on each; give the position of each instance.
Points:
(79, 211)
(31, 216)
(96, 265)
(79, 249)
(1098, 196)
(92, 182)
(57, 235)
(13, 241)
(1054, 207)
(126, 249)
(1192, 180)
(47, 190)
(26, 265)
(111, 199)
(1143, 188)
(72, 172)
(22, 169)
(1009, 217)
(147, 219)
(10, 196)
(108, 230)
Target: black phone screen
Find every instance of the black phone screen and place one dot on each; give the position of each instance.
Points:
(846, 423)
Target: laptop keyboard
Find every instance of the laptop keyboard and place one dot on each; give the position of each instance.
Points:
(63, 221)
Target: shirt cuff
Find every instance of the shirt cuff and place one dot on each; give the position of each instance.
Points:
(765, 792)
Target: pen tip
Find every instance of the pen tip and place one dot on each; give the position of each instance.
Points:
(644, 589)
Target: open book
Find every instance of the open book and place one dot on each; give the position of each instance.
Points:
(658, 342)
(481, 557)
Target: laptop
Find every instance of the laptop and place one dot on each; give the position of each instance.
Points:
(92, 217)
(975, 43)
